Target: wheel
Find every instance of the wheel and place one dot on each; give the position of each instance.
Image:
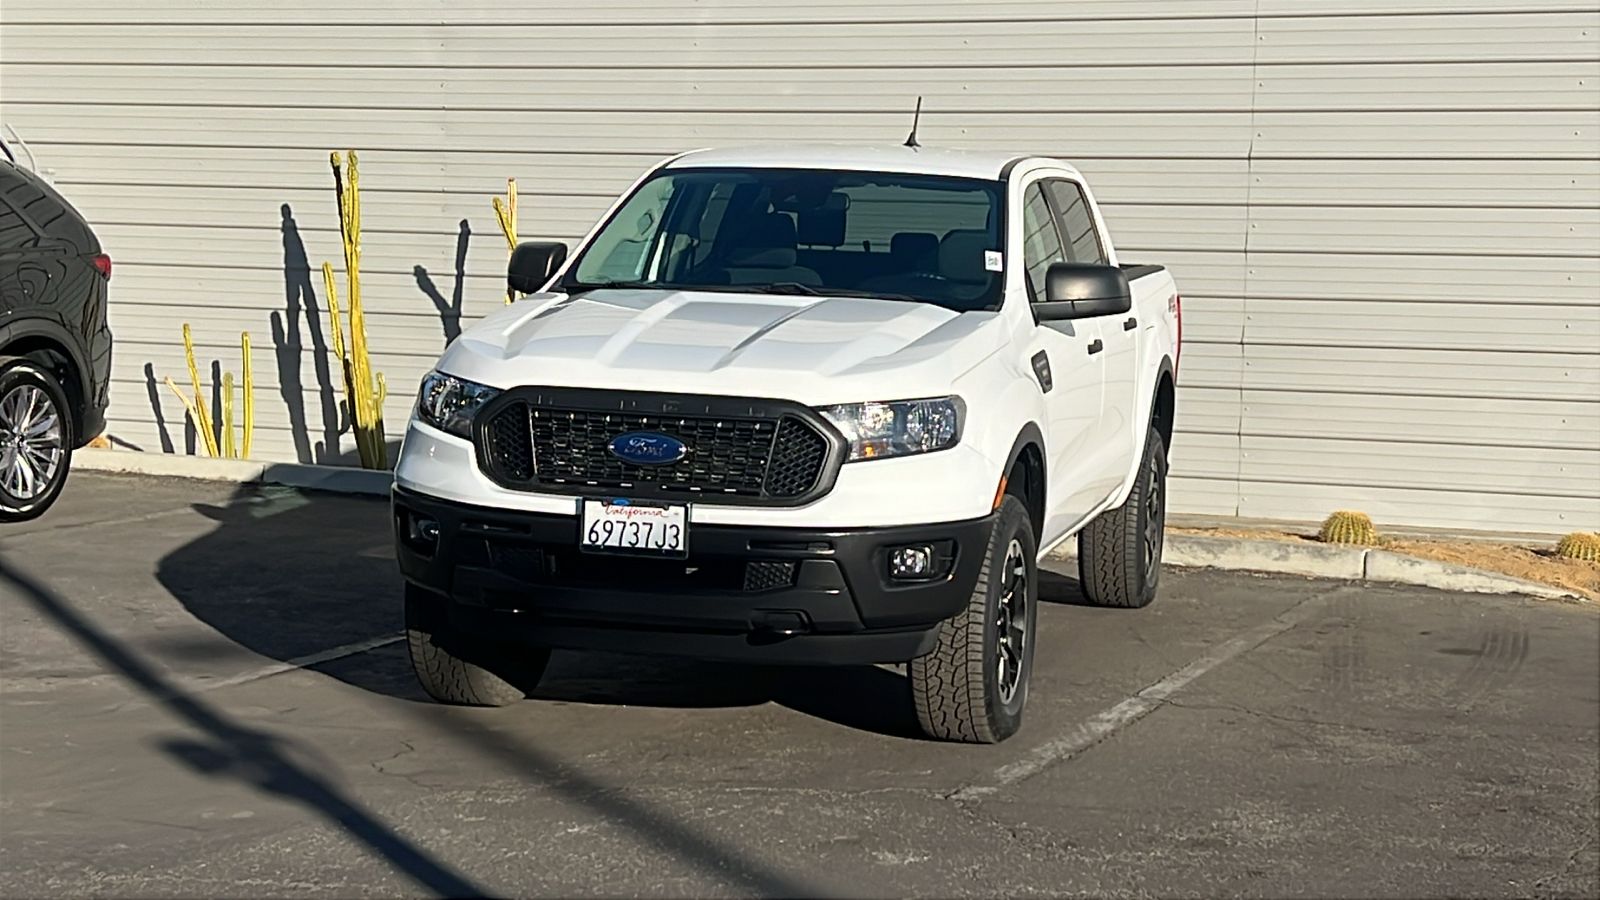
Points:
(974, 684)
(1119, 553)
(35, 439)
(463, 670)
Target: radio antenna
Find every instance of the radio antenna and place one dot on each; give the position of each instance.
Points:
(915, 119)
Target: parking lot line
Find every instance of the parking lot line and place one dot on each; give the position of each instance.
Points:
(302, 662)
(1107, 722)
(191, 688)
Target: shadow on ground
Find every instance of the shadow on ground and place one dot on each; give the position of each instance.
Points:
(289, 573)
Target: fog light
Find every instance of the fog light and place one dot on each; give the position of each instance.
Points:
(911, 563)
(419, 533)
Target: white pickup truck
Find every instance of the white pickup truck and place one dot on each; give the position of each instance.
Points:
(802, 406)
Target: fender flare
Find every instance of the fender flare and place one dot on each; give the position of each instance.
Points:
(1171, 371)
(1030, 434)
(1144, 424)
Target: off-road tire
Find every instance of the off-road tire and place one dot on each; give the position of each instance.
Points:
(18, 372)
(1119, 553)
(460, 669)
(957, 689)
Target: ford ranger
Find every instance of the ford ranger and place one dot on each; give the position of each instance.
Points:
(796, 406)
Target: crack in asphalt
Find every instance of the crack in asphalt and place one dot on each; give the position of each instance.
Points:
(1592, 840)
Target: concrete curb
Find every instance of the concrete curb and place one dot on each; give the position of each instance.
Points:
(1329, 561)
(341, 479)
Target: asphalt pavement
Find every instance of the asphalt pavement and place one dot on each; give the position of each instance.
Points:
(202, 693)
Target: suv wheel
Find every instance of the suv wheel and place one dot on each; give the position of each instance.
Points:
(1119, 553)
(974, 684)
(464, 670)
(35, 439)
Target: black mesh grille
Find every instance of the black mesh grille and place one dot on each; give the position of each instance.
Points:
(779, 458)
(510, 451)
(797, 457)
(765, 576)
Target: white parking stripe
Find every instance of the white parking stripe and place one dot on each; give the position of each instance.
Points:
(1103, 724)
(300, 662)
(192, 687)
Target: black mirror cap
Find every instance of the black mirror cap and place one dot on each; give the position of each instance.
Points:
(532, 264)
(1083, 290)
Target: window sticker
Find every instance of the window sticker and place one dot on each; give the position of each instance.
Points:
(994, 261)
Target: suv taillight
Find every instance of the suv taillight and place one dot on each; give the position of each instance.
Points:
(102, 264)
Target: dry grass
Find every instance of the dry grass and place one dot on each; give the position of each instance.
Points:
(1532, 564)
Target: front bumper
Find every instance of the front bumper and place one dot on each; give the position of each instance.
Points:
(751, 594)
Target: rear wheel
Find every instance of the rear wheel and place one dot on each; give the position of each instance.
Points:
(469, 671)
(974, 684)
(35, 439)
(1119, 553)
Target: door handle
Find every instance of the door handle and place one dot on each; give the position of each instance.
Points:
(1131, 324)
(1096, 346)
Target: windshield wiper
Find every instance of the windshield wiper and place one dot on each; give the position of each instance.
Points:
(783, 287)
(581, 286)
(574, 287)
(805, 290)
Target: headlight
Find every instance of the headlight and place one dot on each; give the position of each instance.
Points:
(448, 403)
(878, 430)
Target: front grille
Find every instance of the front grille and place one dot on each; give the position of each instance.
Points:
(539, 446)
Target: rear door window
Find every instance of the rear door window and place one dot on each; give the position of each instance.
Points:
(1081, 238)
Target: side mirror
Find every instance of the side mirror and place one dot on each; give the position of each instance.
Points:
(1083, 290)
(532, 264)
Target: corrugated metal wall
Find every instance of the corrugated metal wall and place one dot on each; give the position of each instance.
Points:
(1385, 216)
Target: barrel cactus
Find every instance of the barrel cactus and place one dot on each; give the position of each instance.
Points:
(1345, 527)
(1580, 545)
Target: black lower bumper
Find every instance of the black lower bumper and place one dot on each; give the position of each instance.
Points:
(753, 594)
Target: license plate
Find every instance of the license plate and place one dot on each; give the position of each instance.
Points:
(634, 527)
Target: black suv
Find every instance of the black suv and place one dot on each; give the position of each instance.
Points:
(55, 348)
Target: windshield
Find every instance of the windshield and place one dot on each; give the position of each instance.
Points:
(932, 239)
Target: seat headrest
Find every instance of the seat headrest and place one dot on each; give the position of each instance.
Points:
(766, 242)
(914, 250)
(961, 256)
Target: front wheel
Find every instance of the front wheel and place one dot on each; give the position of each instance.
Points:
(1119, 553)
(35, 439)
(974, 684)
(460, 669)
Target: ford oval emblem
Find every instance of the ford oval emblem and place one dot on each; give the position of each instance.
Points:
(646, 448)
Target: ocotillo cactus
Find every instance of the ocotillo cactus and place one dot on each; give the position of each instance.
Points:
(364, 393)
(1580, 545)
(1345, 527)
(506, 215)
(200, 413)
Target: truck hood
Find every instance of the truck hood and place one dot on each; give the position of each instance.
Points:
(813, 350)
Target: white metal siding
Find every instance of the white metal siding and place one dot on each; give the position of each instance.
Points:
(1384, 216)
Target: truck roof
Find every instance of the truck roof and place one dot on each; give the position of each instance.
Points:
(919, 161)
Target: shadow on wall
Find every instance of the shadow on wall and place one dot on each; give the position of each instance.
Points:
(300, 281)
(449, 312)
(300, 295)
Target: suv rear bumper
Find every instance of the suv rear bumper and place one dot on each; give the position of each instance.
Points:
(752, 594)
